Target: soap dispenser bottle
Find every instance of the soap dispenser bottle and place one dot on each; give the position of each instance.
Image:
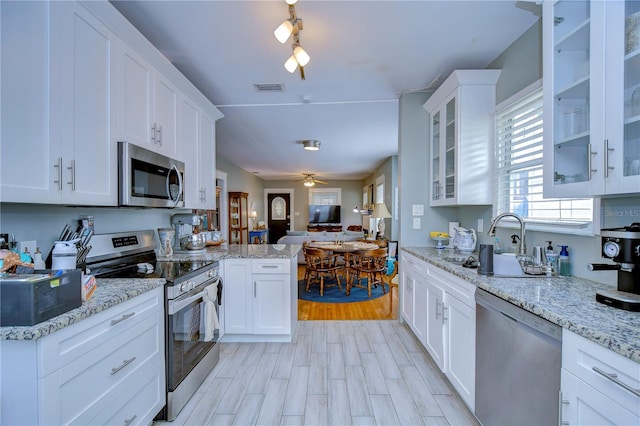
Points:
(515, 246)
(563, 261)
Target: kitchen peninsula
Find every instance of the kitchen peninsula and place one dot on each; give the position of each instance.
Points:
(114, 343)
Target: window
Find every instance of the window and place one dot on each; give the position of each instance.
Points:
(519, 174)
(325, 196)
(380, 189)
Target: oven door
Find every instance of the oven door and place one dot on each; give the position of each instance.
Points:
(149, 179)
(191, 332)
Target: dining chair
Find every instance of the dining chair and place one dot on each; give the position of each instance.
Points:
(388, 278)
(369, 265)
(320, 265)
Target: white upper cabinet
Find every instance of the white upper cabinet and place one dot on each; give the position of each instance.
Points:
(461, 130)
(148, 105)
(197, 134)
(57, 104)
(591, 98)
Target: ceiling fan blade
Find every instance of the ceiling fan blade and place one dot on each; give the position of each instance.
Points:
(321, 182)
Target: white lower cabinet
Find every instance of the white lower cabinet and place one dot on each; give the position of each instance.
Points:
(259, 299)
(106, 369)
(440, 310)
(598, 386)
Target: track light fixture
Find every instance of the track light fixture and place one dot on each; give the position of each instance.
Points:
(291, 28)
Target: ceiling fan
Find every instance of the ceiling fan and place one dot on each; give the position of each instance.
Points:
(310, 181)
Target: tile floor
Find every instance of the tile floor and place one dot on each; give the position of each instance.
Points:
(333, 373)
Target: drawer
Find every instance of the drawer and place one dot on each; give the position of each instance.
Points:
(419, 266)
(137, 404)
(90, 378)
(270, 266)
(455, 286)
(70, 343)
(595, 365)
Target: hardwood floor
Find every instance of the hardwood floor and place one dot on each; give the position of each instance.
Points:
(376, 309)
(332, 373)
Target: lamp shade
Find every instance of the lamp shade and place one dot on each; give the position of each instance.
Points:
(380, 211)
(291, 64)
(311, 144)
(283, 31)
(301, 55)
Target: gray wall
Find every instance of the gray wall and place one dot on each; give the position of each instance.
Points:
(414, 172)
(240, 180)
(389, 168)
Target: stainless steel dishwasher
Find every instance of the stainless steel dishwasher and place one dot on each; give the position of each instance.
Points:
(518, 361)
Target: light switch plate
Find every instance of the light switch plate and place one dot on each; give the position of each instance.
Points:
(416, 223)
(480, 226)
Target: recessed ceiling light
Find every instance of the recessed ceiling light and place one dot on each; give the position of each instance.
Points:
(311, 144)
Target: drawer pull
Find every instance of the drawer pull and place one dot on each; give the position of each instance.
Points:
(124, 364)
(127, 422)
(269, 266)
(124, 317)
(614, 378)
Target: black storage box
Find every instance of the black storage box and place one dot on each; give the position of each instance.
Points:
(29, 299)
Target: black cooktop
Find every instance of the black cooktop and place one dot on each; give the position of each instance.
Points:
(147, 266)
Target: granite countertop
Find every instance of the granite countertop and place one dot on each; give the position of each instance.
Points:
(109, 293)
(569, 302)
(241, 251)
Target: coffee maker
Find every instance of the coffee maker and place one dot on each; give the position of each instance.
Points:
(622, 245)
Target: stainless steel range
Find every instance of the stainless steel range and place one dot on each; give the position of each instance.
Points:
(193, 295)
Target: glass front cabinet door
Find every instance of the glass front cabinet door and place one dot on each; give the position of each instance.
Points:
(591, 95)
(460, 133)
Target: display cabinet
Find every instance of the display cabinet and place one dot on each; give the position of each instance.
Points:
(591, 98)
(238, 218)
(461, 138)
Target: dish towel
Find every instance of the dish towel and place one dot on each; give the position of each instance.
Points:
(210, 316)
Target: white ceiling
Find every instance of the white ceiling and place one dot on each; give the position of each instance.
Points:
(364, 55)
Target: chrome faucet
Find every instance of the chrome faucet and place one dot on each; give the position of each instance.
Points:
(492, 229)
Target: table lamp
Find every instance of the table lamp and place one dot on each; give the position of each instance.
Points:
(380, 212)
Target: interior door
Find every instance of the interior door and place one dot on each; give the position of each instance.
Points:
(279, 214)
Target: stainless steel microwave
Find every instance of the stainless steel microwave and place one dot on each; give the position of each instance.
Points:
(148, 179)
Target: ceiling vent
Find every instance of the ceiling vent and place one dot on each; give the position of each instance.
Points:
(269, 87)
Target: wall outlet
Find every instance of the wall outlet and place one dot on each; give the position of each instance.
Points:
(29, 245)
(416, 223)
(480, 226)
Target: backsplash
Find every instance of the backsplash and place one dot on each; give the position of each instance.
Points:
(614, 212)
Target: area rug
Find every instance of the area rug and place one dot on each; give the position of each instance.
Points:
(334, 295)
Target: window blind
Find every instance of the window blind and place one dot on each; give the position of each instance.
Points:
(519, 174)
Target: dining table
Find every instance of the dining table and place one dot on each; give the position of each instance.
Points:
(345, 248)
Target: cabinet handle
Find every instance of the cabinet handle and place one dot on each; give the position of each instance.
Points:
(607, 167)
(589, 167)
(438, 314)
(444, 309)
(126, 362)
(254, 289)
(72, 168)
(159, 138)
(614, 378)
(59, 180)
(153, 133)
(127, 422)
(124, 317)
(269, 266)
(561, 402)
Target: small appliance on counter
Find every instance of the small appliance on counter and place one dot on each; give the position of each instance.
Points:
(186, 240)
(622, 245)
(29, 299)
(465, 240)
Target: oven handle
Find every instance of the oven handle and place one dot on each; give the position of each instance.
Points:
(178, 304)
